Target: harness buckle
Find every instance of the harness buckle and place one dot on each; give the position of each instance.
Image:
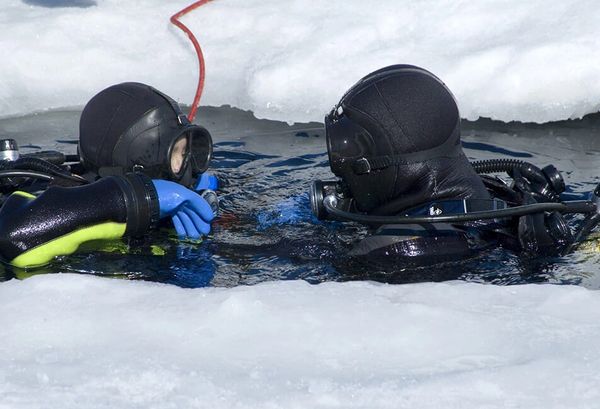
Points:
(361, 166)
(182, 119)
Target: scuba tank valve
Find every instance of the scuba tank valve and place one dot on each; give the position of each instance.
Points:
(9, 150)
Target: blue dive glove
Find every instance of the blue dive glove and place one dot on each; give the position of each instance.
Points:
(207, 181)
(190, 212)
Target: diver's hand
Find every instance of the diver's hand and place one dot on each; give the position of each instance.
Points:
(207, 181)
(190, 212)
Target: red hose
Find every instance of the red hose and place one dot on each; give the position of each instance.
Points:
(175, 20)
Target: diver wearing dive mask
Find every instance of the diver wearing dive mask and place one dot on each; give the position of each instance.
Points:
(394, 142)
(141, 157)
(132, 127)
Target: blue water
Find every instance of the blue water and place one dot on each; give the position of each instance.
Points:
(266, 230)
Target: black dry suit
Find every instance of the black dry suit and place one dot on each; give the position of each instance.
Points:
(35, 229)
(394, 140)
(128, 135)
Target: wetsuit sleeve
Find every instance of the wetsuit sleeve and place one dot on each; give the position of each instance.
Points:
(34, 230)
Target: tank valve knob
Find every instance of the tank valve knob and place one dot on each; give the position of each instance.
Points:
(9, 150)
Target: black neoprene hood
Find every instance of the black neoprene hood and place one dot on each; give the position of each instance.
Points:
(134, 127)
(395, 135)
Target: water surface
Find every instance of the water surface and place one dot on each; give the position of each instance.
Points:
(266, 231)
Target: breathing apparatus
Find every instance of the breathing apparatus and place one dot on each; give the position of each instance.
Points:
(541, 226)
(394, 142)
(49, 166)
(330, 202)
(133, 127)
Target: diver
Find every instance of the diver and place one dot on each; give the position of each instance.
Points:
(141, 162)
(393, 141)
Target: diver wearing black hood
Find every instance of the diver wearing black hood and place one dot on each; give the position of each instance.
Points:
(134, 127)
(394, 142)
(141, 157)
(394, 138)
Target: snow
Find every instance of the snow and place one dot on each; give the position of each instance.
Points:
(69, 341)
(72, 341)
(509, 60)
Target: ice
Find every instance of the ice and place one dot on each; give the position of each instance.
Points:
(72, 341)
(509, 60)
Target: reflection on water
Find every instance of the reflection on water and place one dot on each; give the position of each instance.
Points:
(266, 230)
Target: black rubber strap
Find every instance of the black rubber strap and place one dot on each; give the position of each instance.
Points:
(449, 149)
(181, 117)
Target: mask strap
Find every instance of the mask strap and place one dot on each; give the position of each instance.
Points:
(181, 117)
(451, 148)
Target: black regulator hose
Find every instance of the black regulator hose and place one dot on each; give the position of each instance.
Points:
(10, 173)
(497, 165)
(37, 164)
(40, 165)
(546, 182)
(576, 206)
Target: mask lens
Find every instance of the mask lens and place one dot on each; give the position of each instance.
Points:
(200, 149)
(179, 153)
(346, 141)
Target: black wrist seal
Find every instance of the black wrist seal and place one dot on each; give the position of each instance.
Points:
(141, 200)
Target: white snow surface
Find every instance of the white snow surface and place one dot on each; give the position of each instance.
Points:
(69, 341)
(73, 341)
(509, 60)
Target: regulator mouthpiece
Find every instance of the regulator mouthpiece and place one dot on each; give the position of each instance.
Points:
(330, 193)
(9, 150)
(319, 192)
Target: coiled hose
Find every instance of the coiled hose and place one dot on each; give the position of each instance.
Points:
(587, 225)
(545, 184)
(499, 165)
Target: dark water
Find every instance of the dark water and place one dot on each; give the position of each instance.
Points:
(266, 231)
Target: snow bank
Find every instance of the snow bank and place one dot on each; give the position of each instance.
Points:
(84, 342)
(73, 341)
(509, 60)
